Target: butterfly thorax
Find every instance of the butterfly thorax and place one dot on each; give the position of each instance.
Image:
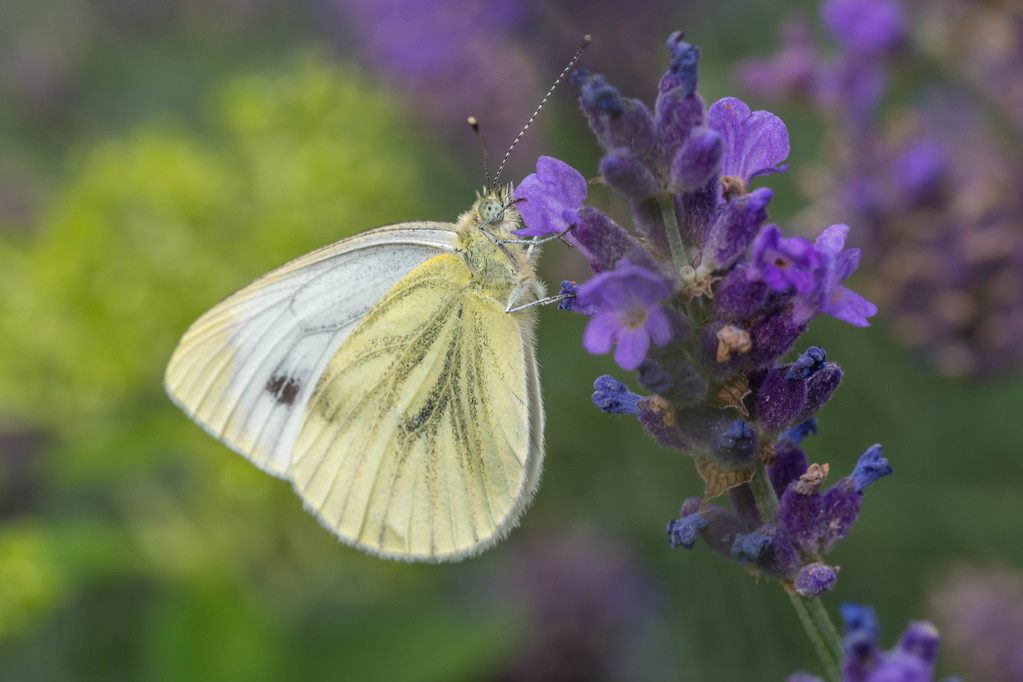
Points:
(497, 268)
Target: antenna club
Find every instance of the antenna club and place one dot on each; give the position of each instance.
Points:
(587, 39)
(473, 122)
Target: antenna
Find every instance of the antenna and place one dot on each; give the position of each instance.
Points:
(475, 125)
(571, 63)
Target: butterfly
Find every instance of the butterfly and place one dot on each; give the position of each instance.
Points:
(391, 377)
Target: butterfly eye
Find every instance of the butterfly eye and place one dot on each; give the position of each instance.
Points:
(489, 208)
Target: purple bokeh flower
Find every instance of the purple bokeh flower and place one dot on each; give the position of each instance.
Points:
(865, 27)
(549, 199)
(629, 299)
(980, 611)
(781, 262)
(755, 142)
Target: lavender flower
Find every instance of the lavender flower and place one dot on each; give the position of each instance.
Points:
(912, 659)
(704, 301)
(782, 263)
(549, 200)
(927, 183)
(630, 314)
(756, 142)
(708, 332)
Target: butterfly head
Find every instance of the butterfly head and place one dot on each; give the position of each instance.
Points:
(494, 209)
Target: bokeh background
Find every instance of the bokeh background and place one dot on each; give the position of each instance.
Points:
(155, 155)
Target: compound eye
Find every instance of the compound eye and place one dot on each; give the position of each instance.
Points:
(489, 208)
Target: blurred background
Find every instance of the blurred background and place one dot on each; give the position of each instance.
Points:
(155, 155)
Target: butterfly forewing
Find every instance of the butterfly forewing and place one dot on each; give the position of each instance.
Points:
(422, 438)
(245, 369)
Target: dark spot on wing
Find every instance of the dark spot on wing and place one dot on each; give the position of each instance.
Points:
(283, 388)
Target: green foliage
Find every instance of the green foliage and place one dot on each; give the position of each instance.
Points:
(154, 227)
(30, 582)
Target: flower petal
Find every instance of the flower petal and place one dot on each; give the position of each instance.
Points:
(632, 348)
(658, 326)
(600, 333)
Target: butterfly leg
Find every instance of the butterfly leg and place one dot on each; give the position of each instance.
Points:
(543, 301)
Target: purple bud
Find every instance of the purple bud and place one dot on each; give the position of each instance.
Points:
(820, 387)
(697, 161)
(714, 525)
(677, 113)
(735, 297)
(842, 504)
(779, 401)
(736, 445)
(870, 468)
(920, 641)
(730, 236)
(801, 516)
(773, 335)
(596, 93)
(601, 240)
(684, 532)
(685, 59)
(570, 290)
(815, 579)
(622, 126)
(781, 558)
(809, 363)
(628, 176)
(613, 397)
(748, 547)
(789, 464)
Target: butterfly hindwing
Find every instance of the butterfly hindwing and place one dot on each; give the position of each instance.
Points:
(246, 368)
(423, 436)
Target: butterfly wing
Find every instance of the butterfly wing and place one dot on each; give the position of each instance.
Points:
(423, 437)
(245, 370)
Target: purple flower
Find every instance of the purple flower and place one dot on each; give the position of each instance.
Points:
(865, 27)
(629, 300)
(781, 262)
(829, 295)
(870, 468)
(755, 143)
(614, 397)
(791, 71)
(815, 579)
(912, 659)
(549, 199)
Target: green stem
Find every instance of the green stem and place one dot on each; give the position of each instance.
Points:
(821, 631)
(678, 249)
(812, 614)
(763, 493)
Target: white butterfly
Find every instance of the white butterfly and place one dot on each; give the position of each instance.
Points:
(391, 377)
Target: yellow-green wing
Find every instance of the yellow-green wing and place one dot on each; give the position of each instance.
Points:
(423, 438)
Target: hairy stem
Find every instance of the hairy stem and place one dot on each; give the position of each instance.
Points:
(678, 249)
(821, 631)
(812, 614)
